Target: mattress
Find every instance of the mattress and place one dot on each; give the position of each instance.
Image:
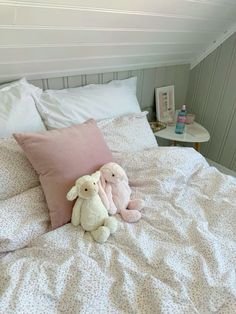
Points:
(179, 258)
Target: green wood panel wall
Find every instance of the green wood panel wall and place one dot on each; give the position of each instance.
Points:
(212, 97)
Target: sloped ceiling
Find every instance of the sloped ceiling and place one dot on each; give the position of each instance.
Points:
(49, 38)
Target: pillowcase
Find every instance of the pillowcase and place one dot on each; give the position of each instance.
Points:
(23, 209)
(16, 173)
(60, 157)
(128, 133)
(62, 108)
(18, 112)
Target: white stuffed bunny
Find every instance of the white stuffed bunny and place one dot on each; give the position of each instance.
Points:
(89, 211)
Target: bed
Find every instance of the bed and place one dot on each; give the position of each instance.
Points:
(179, 258)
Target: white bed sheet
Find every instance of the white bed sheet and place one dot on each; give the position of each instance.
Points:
(180, 258)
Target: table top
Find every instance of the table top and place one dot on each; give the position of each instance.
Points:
(193, 133)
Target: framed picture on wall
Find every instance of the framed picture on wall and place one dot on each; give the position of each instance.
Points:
(165, 104)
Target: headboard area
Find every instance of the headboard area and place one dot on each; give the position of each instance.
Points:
(147, 80)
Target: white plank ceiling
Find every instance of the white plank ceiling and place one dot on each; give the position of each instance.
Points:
(48, 38)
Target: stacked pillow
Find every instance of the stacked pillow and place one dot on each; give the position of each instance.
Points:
(62, 108)
(74, 145)
(17, 108)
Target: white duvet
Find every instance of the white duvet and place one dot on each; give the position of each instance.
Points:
(180, 258)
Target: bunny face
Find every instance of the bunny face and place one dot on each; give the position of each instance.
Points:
(88, 189)
(85, 187)
(113, 173)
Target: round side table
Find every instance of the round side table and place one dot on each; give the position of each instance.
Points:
(193, 133)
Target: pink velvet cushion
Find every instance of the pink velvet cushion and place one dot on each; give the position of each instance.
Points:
(60, 157)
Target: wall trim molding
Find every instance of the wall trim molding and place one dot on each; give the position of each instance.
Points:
(216, 43)
(97, 57)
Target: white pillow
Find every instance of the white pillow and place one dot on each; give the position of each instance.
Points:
(18, 112)
(62, 108)
(128, 133)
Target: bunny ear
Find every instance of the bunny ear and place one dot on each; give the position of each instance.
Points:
(102, 181)
(125, 177)
(102, 193)
(96, 176)
(72, 194)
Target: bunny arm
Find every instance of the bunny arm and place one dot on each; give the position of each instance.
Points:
(112, 207)
(75, 218)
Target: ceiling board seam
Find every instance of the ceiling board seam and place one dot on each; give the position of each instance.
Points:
(103, 29)
(105, 10)
(129, 44)
(203, 2)
(213, 3)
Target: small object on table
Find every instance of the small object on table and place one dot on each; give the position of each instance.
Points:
(157, 126)
(190, 118)
(181, 119)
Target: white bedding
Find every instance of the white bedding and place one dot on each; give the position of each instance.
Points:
(180, 258)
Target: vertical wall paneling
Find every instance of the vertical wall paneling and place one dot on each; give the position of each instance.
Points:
(45, 84)
(92, 79)
(196, 85)
(148, 87)
(161, 77)
(65, 82)
(106, 77)
(191, 86)
(228, 147)
(212, 75)
(122, 75)
(233, 162)
(38, 83)
(181, 78)
(224, 107)
(139, 74)
(100, 78)
(176, 75)
(55, 83)
(213, 95)
(203, 84)
(74, 81)
(217, 88)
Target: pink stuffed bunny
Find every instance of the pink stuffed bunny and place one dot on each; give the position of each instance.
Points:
(115, 193)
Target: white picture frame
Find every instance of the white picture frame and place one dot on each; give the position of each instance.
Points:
(165, 104)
